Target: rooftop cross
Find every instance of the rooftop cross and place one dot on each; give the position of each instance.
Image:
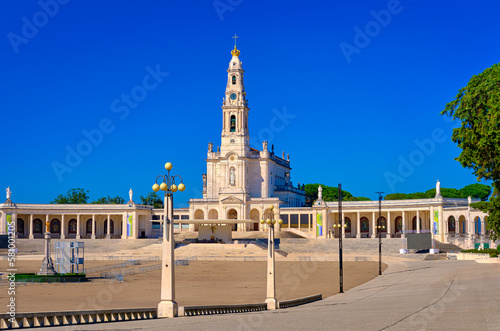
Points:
(235, 37)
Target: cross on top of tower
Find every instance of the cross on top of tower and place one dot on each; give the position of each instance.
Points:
(235, 37)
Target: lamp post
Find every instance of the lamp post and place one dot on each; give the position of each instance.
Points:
(339, 226)
(379, 228)
(271, 301)
(167, 306)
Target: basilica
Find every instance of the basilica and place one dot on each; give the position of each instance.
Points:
(239, 186)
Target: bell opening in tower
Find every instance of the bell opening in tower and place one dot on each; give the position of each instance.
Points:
(234, 80)
(233, 123)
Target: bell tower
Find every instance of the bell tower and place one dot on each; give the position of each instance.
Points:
(235, 137)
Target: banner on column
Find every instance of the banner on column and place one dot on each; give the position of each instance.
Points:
(319, 224)
(436, 222)
(9, 220)
(129, 226)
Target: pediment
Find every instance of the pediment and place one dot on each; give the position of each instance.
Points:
(232, 200)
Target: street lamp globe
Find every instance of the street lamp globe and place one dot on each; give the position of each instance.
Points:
(163, 186)
(173, 188)
(156, 187)
(168, 166)
(181, 187)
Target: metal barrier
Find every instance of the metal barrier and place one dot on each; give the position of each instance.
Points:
(301, 301)
(29, 320)
(223, 309)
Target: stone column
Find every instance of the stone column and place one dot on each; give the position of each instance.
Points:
(63, 228)
(31, 227)
(374, 223)
(457, 227)
(108, 227)
(124, 225)
(47, 220)
(441, 223)
(358, 225)
(418, 221)
(389, 228)
(93, 227)
(78, 235)
(403, 214)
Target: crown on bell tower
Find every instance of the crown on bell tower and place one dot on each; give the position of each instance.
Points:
(235, 52)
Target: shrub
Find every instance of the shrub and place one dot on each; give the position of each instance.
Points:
(493, 253)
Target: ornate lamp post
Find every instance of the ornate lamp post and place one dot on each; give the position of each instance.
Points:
(272, 302)
(379, 228)
(168, 307)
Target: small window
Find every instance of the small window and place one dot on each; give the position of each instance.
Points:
(233, 123)
(234, 80)
(232, 141)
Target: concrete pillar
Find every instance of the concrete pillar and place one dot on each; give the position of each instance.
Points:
(389, 225)
(93, 227)
(418, 221)
(358, 225)
(78, 235)
(108, 228)
(403, 214)
(441, 223)
(63, 228)
(31, 227)
(374, 223)
(124, 225)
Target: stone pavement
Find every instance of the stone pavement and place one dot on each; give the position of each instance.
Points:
(410, 295)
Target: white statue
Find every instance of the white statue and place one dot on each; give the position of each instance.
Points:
(130, 192)
(8, 193)
(204, 177)
(264, 146)
(232, 177)
(469, 199)
(320, 192)
(210, 147)
(438, 189)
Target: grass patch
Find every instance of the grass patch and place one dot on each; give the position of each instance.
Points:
(66, 278)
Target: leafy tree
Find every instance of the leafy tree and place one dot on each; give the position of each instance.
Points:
(330, 193)
(477, 106)
(476, 191)
(108, 200)
(152, 199)
(74, 196)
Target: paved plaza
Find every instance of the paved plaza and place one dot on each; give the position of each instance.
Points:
(410, 295)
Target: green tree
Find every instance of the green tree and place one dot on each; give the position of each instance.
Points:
(476, 191)
(330, 193)
(152, 199)
(74, 196)
(477, 107)
(108, 200)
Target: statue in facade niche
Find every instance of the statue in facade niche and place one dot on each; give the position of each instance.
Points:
(232, 178)
(204, 177)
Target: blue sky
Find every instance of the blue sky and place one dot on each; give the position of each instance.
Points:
(357, 108)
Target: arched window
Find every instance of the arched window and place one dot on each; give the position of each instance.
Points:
(234, 80)
(365, 225)
(347, 222)
(383, 224)
(88, 227)
(55, 226)
(451, 224)
(72, 226)
(233, 123)
(20, 227)
(399, 224)
(37, 226)
(111, 229)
